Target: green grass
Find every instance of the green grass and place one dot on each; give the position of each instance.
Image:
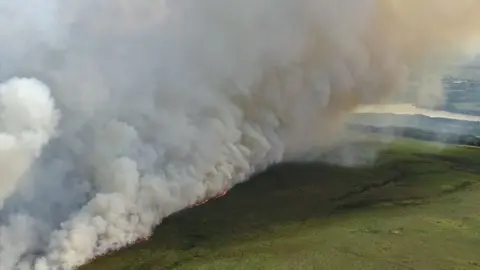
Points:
(417, 208)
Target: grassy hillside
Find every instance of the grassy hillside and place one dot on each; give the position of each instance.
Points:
(417, 208)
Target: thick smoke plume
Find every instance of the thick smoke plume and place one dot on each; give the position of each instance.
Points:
(152, 106)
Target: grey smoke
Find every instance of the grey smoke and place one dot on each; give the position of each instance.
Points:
(138, 109)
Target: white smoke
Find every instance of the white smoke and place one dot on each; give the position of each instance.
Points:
(165, 103)
(27, 121)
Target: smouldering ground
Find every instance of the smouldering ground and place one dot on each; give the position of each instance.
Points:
(417, 208)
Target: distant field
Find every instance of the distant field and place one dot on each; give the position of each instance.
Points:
(470, 106)
(417, 208)
(467, 107)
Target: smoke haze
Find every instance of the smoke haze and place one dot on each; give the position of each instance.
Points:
(116, 114)
(409, 109)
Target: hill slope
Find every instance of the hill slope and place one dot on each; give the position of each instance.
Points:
(416, 209)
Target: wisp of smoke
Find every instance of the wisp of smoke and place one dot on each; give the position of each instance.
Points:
(152, 106)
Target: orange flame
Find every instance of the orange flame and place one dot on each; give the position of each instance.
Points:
(221, 194)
